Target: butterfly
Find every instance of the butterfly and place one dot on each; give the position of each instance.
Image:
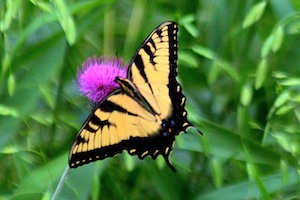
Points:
(145, 113)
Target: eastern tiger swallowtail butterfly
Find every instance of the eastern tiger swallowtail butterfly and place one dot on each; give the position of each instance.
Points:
(145, 113)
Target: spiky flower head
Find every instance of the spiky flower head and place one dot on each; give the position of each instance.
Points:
(97, 77)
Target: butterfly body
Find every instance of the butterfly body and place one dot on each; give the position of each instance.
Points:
(145, 113)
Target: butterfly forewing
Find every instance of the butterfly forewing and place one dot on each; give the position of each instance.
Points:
(152, 65)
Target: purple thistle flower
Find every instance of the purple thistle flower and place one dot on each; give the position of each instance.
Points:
(97, 77)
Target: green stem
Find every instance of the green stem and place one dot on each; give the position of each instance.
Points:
(60, 184)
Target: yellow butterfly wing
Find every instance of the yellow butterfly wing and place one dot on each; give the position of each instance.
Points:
(110, 129)
(145, 114)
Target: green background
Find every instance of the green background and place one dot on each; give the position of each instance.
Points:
(239, 66)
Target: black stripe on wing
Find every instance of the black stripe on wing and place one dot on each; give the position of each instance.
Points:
(106, 106)
(109, 106)
(95, 120)
(140, 65)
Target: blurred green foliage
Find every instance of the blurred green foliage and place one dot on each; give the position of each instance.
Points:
(239, 65)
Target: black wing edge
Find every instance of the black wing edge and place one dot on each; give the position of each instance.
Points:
(179, 115)
(142, 147)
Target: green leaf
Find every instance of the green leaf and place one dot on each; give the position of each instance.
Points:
(203, 51)
(267, 46)
(254, 14)
(284, 109)
(289, 142)
(225, 66)
(228, 69)
(280, 75)
(9, 150)
(186, 22)
(188, 58)
(246, 93)
(218, 171)
(213, 73)
(65, 20)
(282, 98)
(5, 64)
(294, 28)
(96, 188)
(254, 175)
(225, 143)
(42, 5)
(297, 113)
(261, 73)
(278, 38)
(284, 167)
(11, 84)
(46, 195)
(129, 162)
(47, 95)
(192, 29)
(12, 7)
(45, 174)
(8, 111)
(290, 82)
(250, 189)
(42, 118)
